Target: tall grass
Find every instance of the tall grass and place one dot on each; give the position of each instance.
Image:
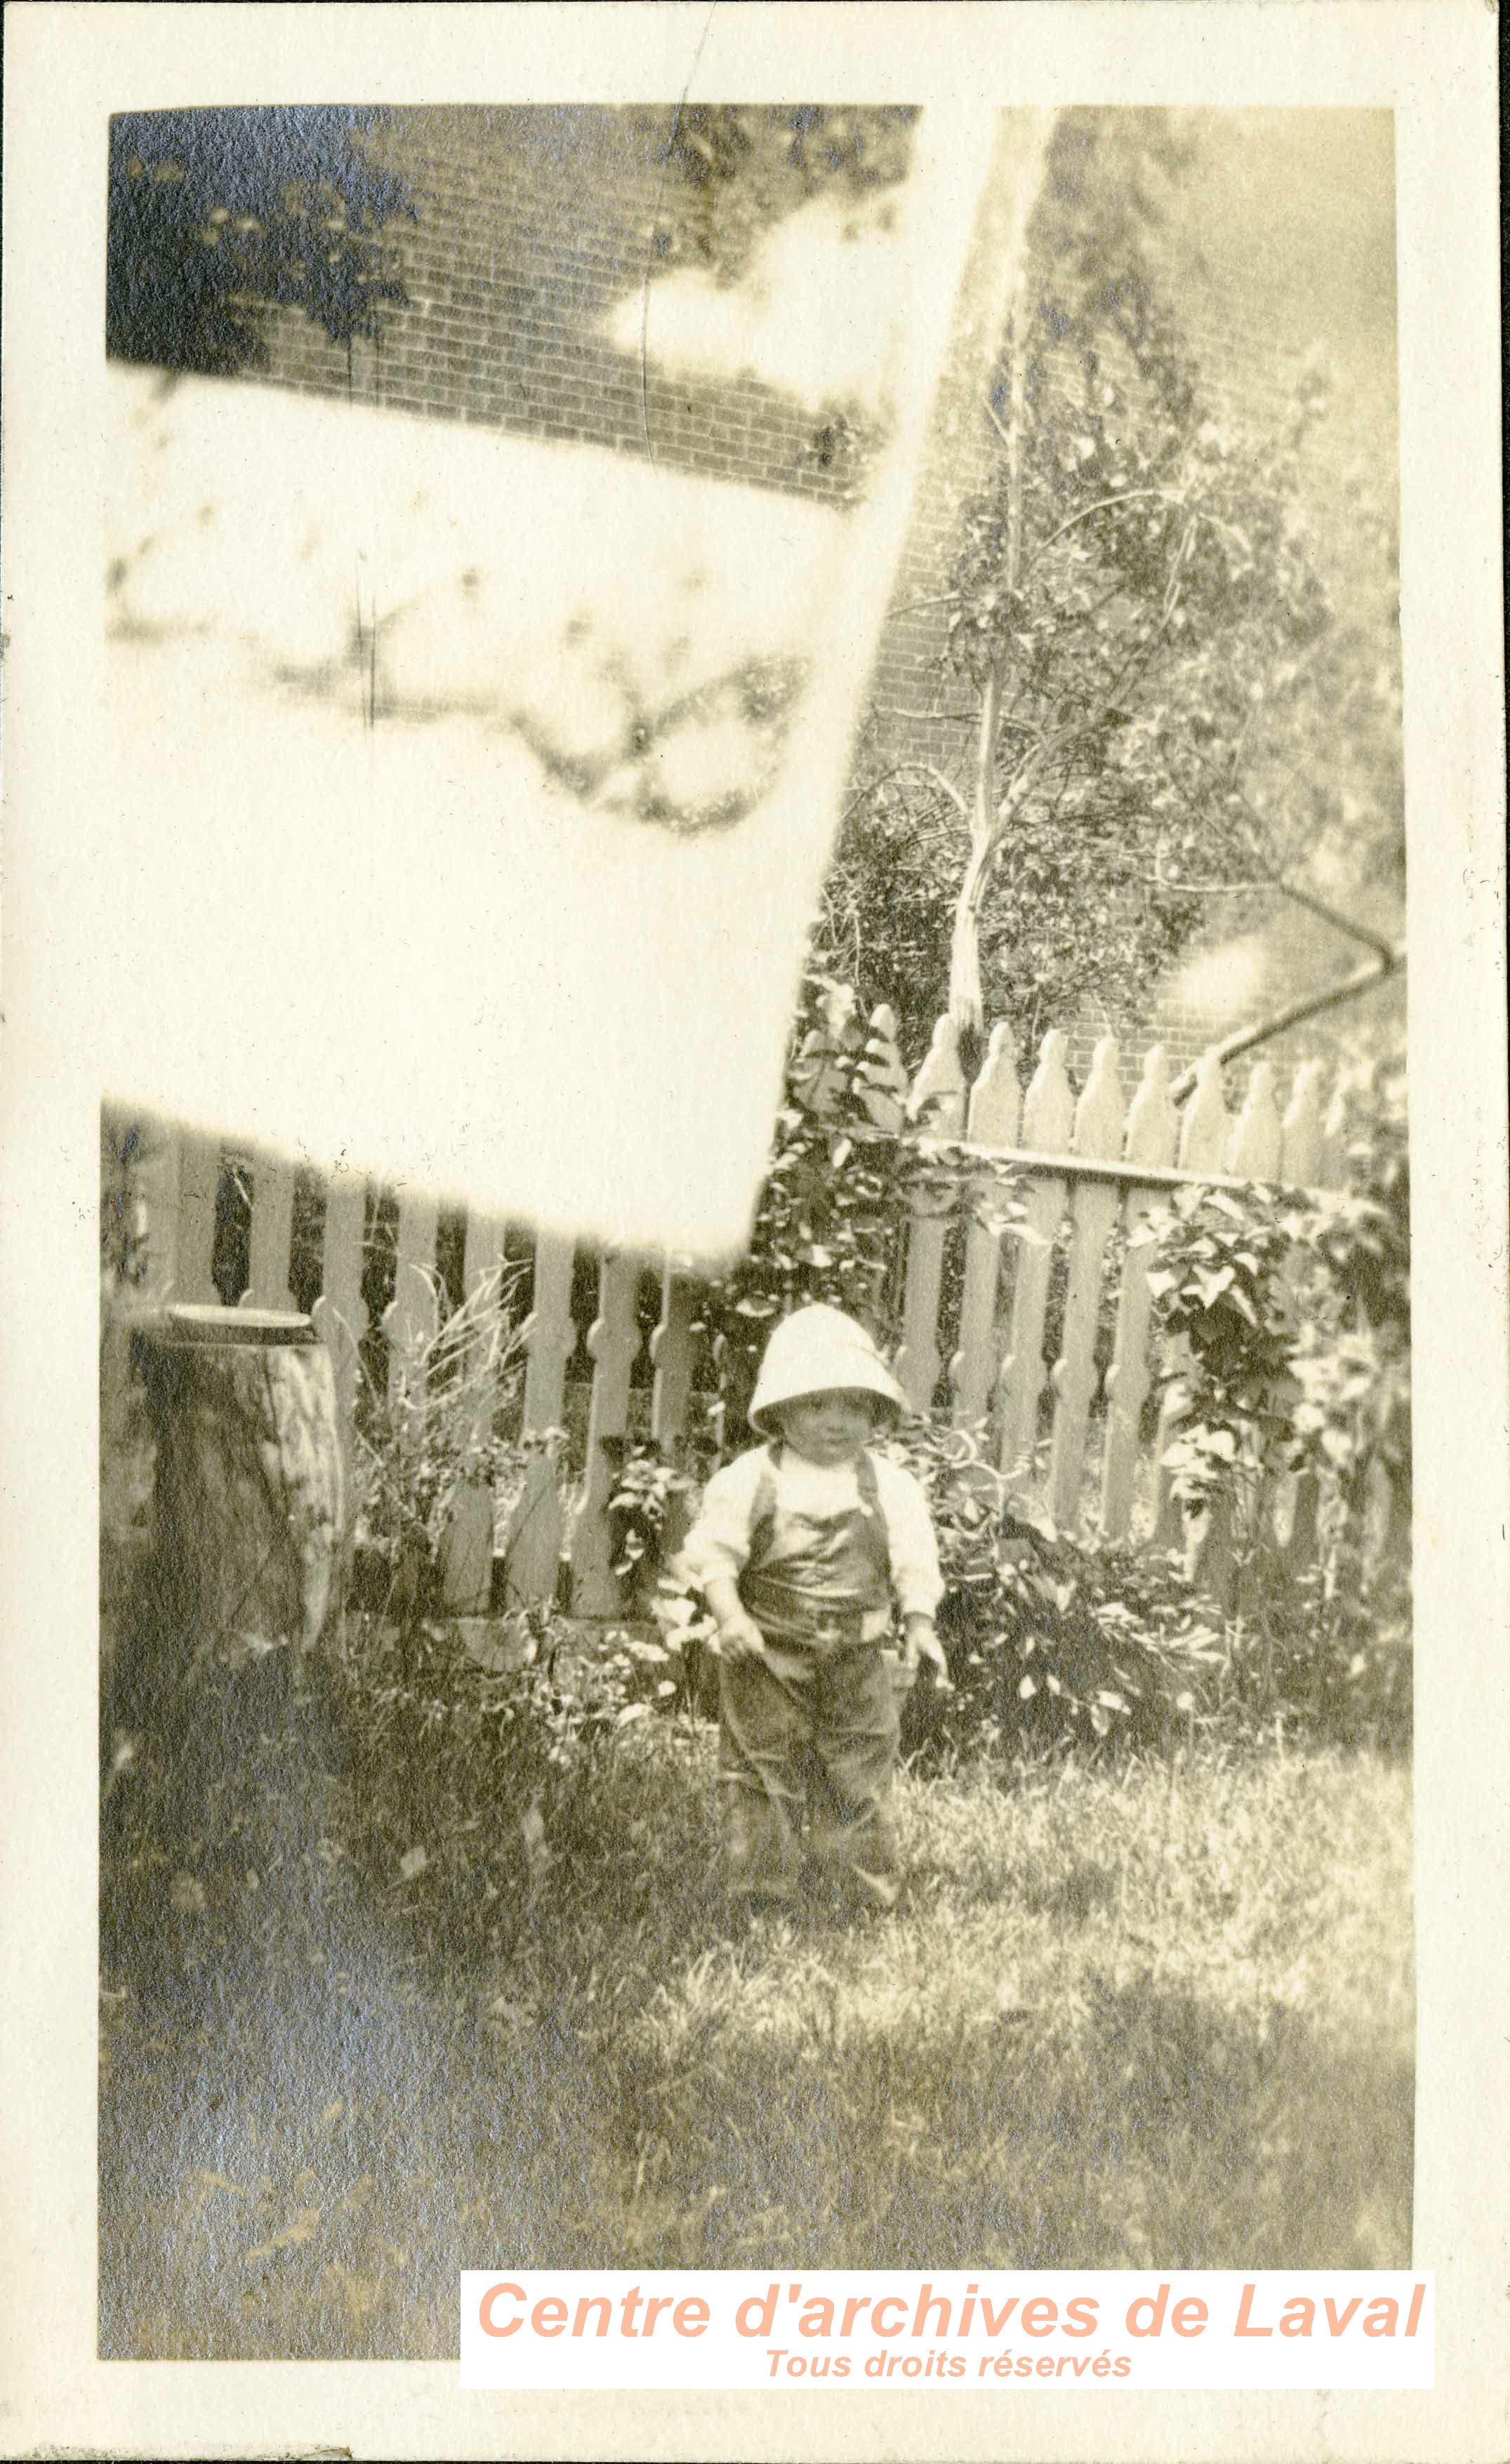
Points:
(1153, 2014)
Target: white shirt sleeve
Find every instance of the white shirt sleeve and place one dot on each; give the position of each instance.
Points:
(915, 1576)
(718, 1542)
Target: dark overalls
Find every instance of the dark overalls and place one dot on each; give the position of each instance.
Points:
(811, 1728)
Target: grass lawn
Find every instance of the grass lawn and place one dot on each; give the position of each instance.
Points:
(1131, 2016)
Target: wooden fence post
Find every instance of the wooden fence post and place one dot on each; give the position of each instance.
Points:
(466, 1558)
(940, 1085)
(1253, 1152)
(1094, 1206)
(341, 1313)
(1048, 1119)
(886, 1086)
(181, 1177)
(1152, 1133)
(412, 1317)
(613, 1340)
(671, 1351)
(1204, 1129)
(1298, 1495)
(536, 1527)
(272, 1236)
(996, 1114)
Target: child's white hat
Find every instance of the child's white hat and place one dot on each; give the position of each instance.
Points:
(817, 1350)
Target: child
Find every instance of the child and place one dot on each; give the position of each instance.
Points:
(799, 1548)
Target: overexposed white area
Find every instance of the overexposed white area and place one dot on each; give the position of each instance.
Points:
(805, 315)
(549, 589)
(435, 940)
(1220, 985)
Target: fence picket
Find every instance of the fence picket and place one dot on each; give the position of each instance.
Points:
(271, 1237)
(181, 1176)
(1048, 1119)
(410, 1320)
(819, 1071)
(1258, 1138)
(1153, 1131)
(613, 1340)
(1292, 1509)
(1204, 1131)
(1093, 1210)
(1301, 1152)
(538, 1525)
(938, 1104)
(341, 1313)
(467, 1543)
(671, 1351)
(1332, 1170)
(995, 1117)
(886, 1083)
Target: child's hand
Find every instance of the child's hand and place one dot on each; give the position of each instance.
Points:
(740, 1637)
(923, 1643)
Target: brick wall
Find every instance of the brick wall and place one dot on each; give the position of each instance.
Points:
(531, 225)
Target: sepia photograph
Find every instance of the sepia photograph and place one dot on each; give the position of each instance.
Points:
(747, 838)
(890, 1746)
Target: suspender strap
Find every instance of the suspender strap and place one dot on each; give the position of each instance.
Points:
(763, 1506)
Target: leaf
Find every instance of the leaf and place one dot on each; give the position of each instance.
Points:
(1027, 1687)
(631, 1712)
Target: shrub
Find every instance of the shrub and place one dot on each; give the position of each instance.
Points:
(1296, 1319)
(439, 1432)
(1050, 1641)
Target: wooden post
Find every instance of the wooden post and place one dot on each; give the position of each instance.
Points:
(341, 1313)
(533, 1546)
(272, 1233)
(1204, 1131)
(411, 1319)
(1292, 1512)
(181, 1181)
(1094, 1208)
(828, 1052)
(1152, 1133)
(940, 1085)
(1048, 1118)
(466, 1552)
(885, 1080)
(1253, 1151)
(613, 1340)
(996, 1116)
(671, 1350)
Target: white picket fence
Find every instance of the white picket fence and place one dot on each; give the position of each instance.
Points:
(1093, 1161)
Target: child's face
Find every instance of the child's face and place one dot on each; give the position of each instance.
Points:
(828, 1428)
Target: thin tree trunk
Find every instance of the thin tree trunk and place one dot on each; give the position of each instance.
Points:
(966, 997)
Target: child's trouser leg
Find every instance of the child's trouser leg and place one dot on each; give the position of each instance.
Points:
(853, 1837)
(765, 1731)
